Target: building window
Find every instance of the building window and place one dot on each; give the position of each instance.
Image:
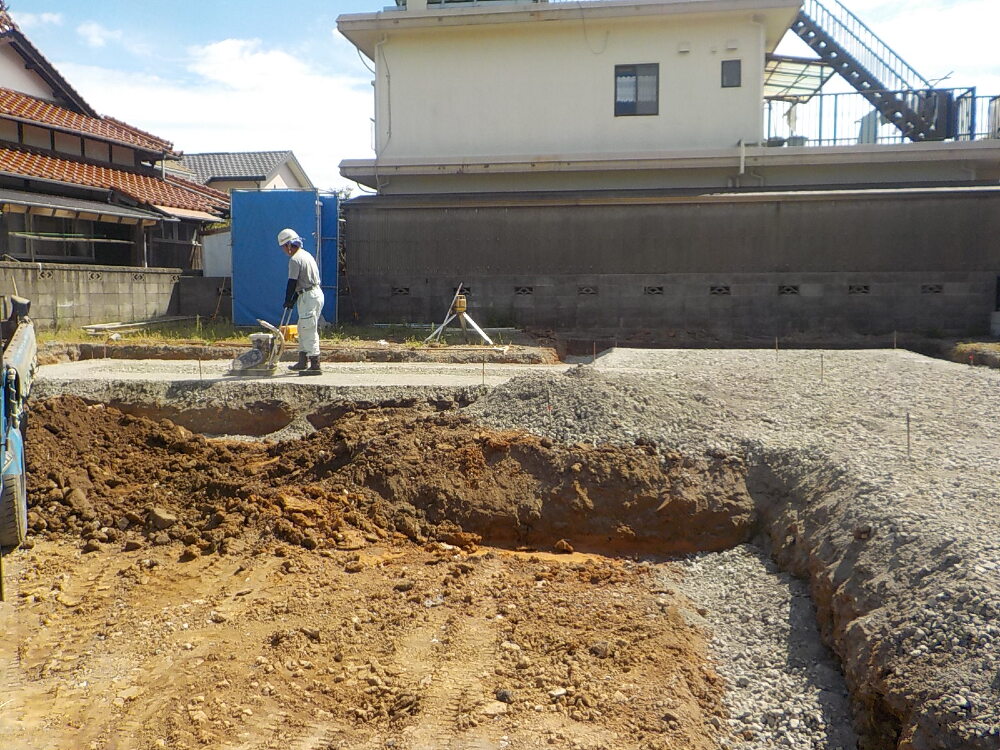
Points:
(637, 89)
(732, 74)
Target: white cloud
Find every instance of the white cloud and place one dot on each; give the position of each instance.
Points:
(95, 35)
(242, 96)
(34, 20)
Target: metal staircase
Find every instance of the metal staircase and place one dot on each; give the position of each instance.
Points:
(902, 96)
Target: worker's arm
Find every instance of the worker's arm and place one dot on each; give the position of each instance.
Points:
(290, 294)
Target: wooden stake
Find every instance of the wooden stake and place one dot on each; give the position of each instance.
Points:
(908, 434)
(3, 590)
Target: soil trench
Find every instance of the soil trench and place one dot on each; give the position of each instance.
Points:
(338, 590)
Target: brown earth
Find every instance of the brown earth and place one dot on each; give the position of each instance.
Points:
(336, 592)
(115, 478)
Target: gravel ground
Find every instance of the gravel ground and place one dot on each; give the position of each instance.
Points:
(898, 535)
(876, 476)
(785, 688)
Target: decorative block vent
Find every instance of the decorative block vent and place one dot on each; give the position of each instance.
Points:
(138, 277)
(175, 277)
(97, 275)
(785, 290)
(45, 274)
(524, 291)
(401, 291)
(586, 290)
(859, 289)
(720, 290)
(932, 288)
(654, 290)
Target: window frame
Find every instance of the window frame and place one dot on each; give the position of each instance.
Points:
(739, 72)
(638, 108)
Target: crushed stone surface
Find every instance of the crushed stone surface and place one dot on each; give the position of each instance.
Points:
(914, 519)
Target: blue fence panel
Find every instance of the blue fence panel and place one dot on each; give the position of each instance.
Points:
(260, 268)
(329, 262)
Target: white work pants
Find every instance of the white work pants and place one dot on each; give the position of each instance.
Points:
(309, 307)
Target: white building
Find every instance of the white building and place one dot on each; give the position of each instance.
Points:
(612, 94)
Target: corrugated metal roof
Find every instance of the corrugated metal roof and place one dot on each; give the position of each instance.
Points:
(243, 165)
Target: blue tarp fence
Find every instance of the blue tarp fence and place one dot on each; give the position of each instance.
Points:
(260, 268)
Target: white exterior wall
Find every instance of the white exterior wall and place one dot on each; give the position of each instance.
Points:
(284, 178)
(13, 75)
(217, 254)
(548, 88)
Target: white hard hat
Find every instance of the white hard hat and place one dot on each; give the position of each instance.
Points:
(288, 235)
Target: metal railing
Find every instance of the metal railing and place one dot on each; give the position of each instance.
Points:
(859, 41)
(844, 119)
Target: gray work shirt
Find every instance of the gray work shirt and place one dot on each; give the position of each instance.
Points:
(302, 267)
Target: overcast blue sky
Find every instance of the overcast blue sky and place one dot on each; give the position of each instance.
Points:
(235, 75)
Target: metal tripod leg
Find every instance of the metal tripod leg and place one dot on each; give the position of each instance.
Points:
(465, 317)
(440, 329)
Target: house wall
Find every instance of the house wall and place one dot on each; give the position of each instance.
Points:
(230, 185)
(284, 178)
(14, 75)
(862, 264)
(217, 254)
(69, 296)
(548, 88)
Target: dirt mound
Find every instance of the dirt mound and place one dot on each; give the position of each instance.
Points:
(115, 478)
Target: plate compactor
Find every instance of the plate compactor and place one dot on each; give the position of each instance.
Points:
(262, 358)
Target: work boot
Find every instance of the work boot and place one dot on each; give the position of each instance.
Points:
(313, 367)
(301, 364)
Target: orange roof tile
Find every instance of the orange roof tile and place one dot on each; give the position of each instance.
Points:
(146, 189)
(24, 107)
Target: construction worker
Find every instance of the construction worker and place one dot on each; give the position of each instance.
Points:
(304, 293)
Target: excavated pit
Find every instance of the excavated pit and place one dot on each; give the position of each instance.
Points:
(361, 477)
(128, 476)
(378, 468)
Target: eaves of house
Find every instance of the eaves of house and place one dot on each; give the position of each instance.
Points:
(142, 188)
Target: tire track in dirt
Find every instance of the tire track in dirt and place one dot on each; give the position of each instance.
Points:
(454, 653)
(12, 671)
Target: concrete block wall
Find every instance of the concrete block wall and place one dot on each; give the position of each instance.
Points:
(206, 296)
(64, 296)
(725, 305)
(779, 264)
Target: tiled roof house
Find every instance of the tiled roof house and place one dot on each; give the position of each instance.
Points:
(242, 170)
(76, 186)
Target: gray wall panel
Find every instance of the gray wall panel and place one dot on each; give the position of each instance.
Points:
(893, 242)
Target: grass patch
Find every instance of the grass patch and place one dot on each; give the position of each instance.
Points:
(224, 332)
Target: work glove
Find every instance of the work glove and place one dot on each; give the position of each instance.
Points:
(290, 294)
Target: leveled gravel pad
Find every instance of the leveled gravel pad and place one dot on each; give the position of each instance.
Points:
(875, 476)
